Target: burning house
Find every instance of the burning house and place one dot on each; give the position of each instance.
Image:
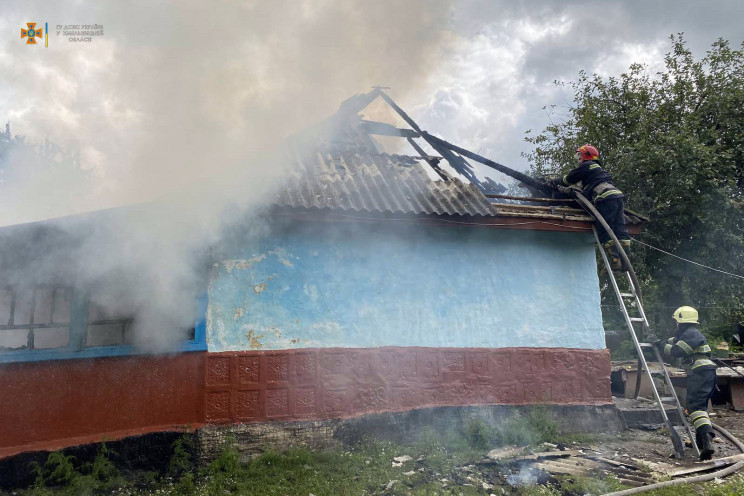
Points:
(379, 284)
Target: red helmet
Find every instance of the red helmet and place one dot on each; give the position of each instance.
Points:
(588, 152)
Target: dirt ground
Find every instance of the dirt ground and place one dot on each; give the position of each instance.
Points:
(648, 449)
(655, 446)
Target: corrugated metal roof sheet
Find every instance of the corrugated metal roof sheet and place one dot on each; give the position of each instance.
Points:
(356, 180)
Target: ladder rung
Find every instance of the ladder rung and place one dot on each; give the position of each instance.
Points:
(636, 319)
(645, 345)
(627, 295)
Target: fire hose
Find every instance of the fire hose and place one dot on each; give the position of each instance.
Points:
(687, 480)
(691, 480)
(442, 145)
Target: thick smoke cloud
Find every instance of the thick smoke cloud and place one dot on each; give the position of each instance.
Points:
(180, 103)
(179, 100)
(493, 85)
(179, 93)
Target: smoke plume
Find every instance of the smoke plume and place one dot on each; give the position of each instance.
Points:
(181, 104)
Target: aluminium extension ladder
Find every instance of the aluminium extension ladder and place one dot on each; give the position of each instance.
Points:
(633, 298)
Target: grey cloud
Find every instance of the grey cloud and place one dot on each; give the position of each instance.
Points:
(595, 36)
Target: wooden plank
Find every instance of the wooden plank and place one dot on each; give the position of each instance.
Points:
(513, 454)
(501, 212)
(529, 198)
(578, 462)
(594, 465)
(514, 206)
(737, 393)
(615, 462)
(555, 469)
(560, 467)
(506, 452)
(548, 454)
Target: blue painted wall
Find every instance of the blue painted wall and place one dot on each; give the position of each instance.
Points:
(369, 285)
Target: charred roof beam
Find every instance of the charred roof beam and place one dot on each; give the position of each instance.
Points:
(383, 129)
(447, 150)
(432, 161)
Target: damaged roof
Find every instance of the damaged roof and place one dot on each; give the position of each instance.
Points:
(337, 165)
(354, 179)
(357, 181)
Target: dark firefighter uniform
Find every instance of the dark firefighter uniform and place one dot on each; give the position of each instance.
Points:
(690, 345)
(597, 186)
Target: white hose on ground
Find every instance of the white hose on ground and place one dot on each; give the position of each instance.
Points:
(691, 480)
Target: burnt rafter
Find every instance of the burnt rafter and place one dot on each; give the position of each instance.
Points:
(383, 129)
(454, 154)
(524, 178)
(432, 161)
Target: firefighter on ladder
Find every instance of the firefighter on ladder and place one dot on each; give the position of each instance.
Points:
(690, 345)
(597, 186)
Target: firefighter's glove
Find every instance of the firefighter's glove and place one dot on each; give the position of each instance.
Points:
(659, 344)
(564, 189)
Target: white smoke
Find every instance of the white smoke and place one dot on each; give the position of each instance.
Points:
(182, 103)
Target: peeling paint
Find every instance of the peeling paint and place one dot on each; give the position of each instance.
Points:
(354, 292)
(241, 263)
(282, 256)
(253, 339)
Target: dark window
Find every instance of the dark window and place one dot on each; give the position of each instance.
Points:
(34, 318)
(106, 328)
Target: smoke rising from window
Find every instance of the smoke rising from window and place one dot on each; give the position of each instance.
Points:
(180, 107)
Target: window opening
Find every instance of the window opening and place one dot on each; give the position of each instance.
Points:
(34, 318)
(106, 328)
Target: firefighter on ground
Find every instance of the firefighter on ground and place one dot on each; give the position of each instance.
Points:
(690, 345)
(597, 186)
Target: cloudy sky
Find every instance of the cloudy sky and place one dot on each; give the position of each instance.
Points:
(175, 94)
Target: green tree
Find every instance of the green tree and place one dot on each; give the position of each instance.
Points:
(674, 143)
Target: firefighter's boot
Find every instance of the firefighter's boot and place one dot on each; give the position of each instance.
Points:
(625, 243)
(613, 256)
(704, 436)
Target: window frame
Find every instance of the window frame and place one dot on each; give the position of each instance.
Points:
(76, 345)
(32, 326)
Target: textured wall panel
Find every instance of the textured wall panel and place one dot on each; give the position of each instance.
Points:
(51, 404)
(314, 384)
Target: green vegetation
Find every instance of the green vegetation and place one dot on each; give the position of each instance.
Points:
(672, 141)
(535, 427)
(439, 465)
(60, 475)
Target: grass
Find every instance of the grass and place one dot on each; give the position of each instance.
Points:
(441, 464)
(733, 486)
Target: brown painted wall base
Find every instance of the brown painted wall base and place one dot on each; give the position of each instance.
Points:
(314, 384)
(52, 404)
